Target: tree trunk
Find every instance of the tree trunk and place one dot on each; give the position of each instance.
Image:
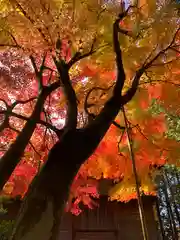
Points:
(48, 193)
(12, 157)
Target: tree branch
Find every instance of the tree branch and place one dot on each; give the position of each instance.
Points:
(30, 19)
(104, 119)
(8, 110)
(150, 140)
(5, 103)
(22, 102)
(39, 73)
(86, 105)
(45, 124)
(11, 158)
(118, 125)
(71, 119)
(5, 124)
(17, 131)
(78, 56)
(16, 45)
(131, 92)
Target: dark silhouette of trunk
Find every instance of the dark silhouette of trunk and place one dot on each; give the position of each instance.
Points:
(12, 157)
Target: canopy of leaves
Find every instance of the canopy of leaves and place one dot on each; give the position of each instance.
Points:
(33, 28)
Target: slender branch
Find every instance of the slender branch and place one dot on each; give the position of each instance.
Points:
(22, 101)
(118, 125)
(147, 65)
(78, 56)
(159, 80)
(45, 134)
(120, 139)
(164, 63)
(39, 73)
(5, 103)
(46, 124)
(150, 54)
(8, 45)
(30, 19)
(71, 119)
(31, 144)
(58, 132)
(174, 49)
(151, 141)
(16, 45)
(131, 92)
(34, 65)
(5, 124)
(86, 105)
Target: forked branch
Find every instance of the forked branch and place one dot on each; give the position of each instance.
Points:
(147, 64)
(71, 118)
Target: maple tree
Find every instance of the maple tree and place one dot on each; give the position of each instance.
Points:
(57, 64)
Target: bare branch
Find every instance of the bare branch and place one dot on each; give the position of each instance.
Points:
(86, 105)
(147, 65)
(8, 45)
(39, 73)
(120, 139)
(31, 20)
(34, 65)
(78, 56)
(71, 119)
(145, 137)
(22, 101)
(46, 124)
(159, 80)
(5, 124)
(164, 63)
(5, 103)
(17, 131)
(118, 125)
(16, 45)
(174, 49)
(150, 54)
(131, 92)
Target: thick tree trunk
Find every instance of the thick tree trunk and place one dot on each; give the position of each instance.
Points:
(48, 193)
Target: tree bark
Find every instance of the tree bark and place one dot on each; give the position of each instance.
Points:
(48, 193)
(11, 158)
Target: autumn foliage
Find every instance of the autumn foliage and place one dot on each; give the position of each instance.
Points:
(19, 90)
